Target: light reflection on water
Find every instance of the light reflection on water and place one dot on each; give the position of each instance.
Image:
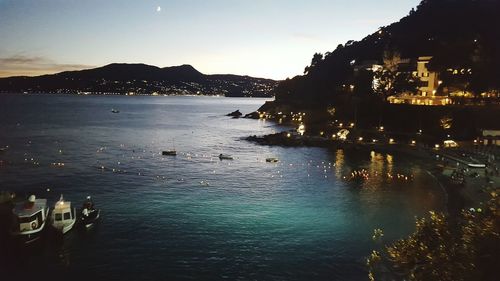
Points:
(194, 216)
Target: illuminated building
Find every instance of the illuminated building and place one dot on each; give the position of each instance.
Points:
(428, 82)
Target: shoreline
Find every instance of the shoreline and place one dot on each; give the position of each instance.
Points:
(457, 197)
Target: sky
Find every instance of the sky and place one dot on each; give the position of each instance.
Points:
(262, 38)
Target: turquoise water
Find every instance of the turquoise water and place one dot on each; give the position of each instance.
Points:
(194, 217)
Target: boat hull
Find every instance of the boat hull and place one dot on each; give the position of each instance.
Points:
(28, 237)
(471, 165)
(64, 228)
(91, 219)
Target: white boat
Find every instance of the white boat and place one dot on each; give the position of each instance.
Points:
(473, 165)
(30, 219)
(63, 217)
(225, 156)
(115, 110)
(272, 160)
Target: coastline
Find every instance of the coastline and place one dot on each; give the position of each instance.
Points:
(457, 197)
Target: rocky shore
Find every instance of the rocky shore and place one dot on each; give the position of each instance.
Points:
(292, 138)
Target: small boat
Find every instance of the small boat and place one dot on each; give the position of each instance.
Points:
(30, 217)
(63, 217)
(171, 152)
(225, 157)
(115, 110)
(474, 165)
(89, 214)
(272, 160)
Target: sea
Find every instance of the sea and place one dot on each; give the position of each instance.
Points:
(194, 216)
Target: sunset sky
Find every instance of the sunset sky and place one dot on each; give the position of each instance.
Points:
(272, 39)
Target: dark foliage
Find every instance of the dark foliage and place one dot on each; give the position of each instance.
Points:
(444, 248)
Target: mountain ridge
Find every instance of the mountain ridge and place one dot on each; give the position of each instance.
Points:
(123, 78)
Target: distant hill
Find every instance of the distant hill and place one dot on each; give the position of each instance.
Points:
(456, 33)
(121, 78)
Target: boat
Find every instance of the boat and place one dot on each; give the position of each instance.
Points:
(225, 157)
(272, 160)
(89, 214)
(115, 110)
(171, 152)
(474, 165)
(63, 217)
(30, 217)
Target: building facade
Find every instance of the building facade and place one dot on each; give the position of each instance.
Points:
(428, 83)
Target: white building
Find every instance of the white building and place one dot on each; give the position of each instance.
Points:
(429, 81)
(428, 85)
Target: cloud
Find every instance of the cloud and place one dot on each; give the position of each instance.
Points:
(305, 36)
(20, 65)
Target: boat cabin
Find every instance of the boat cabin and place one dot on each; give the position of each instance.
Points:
(62, 212)
(30, 215)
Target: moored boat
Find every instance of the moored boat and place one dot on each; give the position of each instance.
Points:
(63, 217)
(89, 214)
(272, 159)
(171, 152)
(225, 157)
(30, 217)
(474, 165)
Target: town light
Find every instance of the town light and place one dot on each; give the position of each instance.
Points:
(302, 129)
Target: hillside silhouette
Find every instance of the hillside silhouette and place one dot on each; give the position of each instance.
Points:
(122, 78)
(456, 33)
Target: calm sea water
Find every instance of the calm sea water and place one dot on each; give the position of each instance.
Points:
(194, 217)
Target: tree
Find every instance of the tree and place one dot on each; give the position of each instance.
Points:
(390, 80)
(316, 60)
(392, 59)
(443, 248)
(363, 83)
